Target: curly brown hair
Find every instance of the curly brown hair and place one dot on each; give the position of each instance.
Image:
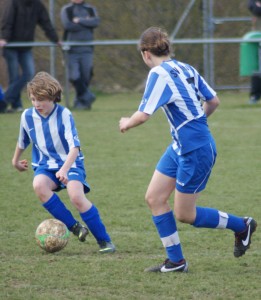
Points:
(43, 86)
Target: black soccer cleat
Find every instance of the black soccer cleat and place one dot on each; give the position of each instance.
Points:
(243, 239)
(80, 231)
(169, 266)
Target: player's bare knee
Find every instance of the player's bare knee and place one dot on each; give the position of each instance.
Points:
(77, 200)
(153, 201)
(39, 188)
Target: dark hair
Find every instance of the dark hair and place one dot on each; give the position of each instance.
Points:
(254, 7)
(156, 41)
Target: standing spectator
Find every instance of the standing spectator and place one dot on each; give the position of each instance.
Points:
(79, 19)
(19, 22)
(255, 8)
(255, 91)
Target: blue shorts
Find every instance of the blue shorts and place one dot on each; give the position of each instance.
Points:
(73, 174)
(190, 170)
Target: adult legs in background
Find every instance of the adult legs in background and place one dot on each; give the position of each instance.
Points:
(86, 71)
(80, 70)
(255, 90)
(20, 65)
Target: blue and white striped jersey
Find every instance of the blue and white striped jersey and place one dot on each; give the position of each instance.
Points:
(178, 89)
(51, 137)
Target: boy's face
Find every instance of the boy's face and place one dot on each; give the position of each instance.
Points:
(44, 107)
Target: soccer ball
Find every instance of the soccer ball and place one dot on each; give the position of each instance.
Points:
(52, 235)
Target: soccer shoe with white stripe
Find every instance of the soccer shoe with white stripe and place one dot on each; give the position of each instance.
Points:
(79, 230)
(106, 247)
(169, 266)
(243, 239)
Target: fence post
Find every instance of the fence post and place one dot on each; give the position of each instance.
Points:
(52, 48)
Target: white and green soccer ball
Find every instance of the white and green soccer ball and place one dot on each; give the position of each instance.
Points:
(52, 235)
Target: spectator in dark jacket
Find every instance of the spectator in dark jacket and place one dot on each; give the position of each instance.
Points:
(19, 22)
(255, 91)
(79, 19)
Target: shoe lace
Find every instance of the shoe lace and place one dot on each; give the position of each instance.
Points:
(237, 239)
(240, 236)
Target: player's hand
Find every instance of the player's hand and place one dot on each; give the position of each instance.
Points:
(21, 165)
(62, 176)
(123, 124)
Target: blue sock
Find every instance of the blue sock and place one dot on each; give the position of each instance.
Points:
(94, 223)
(167, 229)
(57, 209)
(213, 218)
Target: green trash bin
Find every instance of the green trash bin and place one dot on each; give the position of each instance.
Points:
(249, 54)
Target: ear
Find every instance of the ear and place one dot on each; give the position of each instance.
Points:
(147, 55)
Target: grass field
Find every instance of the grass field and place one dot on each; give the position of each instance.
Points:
(119, 168)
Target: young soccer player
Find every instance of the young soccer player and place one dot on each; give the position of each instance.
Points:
(185, 167)
(57, 159)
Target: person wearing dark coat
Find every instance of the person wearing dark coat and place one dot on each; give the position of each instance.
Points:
(254, 7)
(19, 21)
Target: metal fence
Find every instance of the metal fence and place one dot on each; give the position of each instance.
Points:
(209, 70)
(208, 56)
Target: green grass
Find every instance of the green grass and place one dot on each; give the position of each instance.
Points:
(119, 168)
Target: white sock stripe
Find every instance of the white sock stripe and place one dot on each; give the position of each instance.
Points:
(171, 240)
(223, 219)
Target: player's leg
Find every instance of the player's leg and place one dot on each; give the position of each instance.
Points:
(192, 177)
(157, 196)
(186, 211)
(44, 184)
(90, 215)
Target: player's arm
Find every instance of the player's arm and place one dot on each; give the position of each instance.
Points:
(62, 173)
(210, 105)
(20, 165)
(136, 119)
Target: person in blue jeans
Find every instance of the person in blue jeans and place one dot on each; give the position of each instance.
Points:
(16, 58)
(19, 21)
(2, 102)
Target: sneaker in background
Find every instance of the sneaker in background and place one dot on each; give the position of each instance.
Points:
(253, 100)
